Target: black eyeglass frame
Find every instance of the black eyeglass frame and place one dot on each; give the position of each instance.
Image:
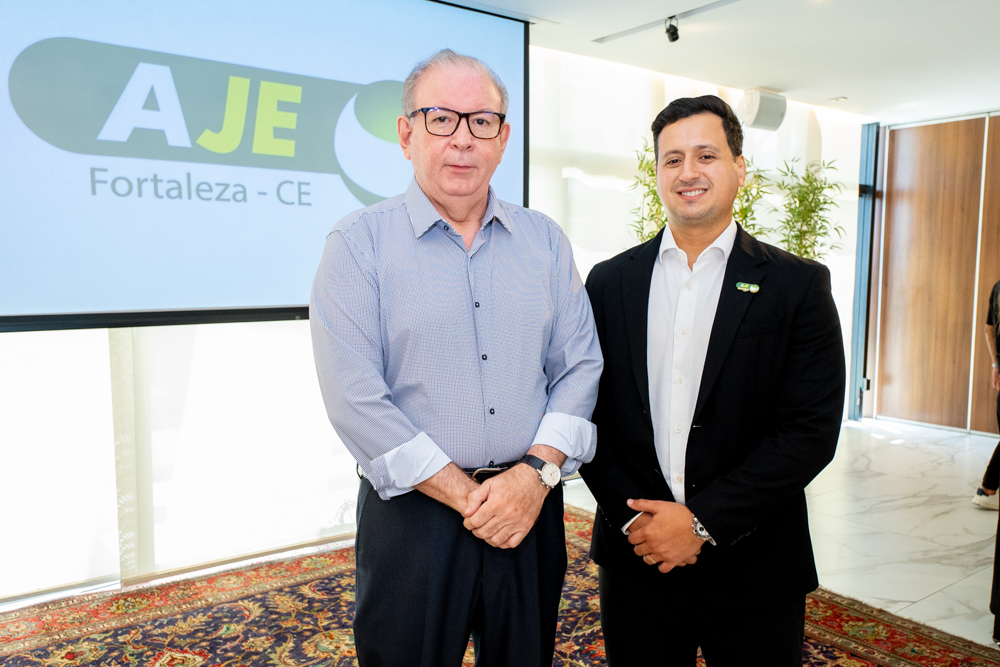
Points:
(467, 116)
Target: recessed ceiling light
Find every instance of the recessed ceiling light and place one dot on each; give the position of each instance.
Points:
(837, 99)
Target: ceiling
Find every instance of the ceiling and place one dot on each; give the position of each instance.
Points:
(897, 61)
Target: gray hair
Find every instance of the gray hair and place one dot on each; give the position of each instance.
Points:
(448, 58)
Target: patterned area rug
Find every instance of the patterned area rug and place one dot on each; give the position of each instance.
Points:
(297, 613)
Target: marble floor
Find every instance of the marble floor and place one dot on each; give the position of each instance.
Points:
(893, 525)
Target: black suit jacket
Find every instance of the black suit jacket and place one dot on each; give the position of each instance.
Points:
(766, 421)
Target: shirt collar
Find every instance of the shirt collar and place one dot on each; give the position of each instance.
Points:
(724, 242)
(423, 215)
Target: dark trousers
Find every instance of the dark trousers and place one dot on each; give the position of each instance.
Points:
(425, 584)
(657, 625)
(995, 593)
(991, 480)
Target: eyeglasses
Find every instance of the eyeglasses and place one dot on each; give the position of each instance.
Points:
(443, 122)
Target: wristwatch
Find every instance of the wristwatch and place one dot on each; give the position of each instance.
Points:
(700, 531)
(548, 473)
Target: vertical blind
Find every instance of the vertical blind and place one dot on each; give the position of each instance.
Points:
(57, 461)
(135, 452)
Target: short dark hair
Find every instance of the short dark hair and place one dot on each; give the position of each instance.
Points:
(684, 107)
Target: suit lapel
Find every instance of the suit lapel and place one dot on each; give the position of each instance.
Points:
(636, 275)
(743, 267)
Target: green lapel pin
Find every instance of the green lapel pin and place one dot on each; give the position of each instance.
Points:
(747, 287)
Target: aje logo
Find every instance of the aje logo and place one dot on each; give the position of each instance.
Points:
(100, 99)
(150, 102)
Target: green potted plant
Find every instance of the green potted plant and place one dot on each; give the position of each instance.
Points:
(649, 215)
(745, 207)
(807, 198)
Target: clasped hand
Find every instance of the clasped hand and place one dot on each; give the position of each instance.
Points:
(503, 509)
(662, 534)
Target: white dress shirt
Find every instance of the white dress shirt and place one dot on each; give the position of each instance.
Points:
(682, 305)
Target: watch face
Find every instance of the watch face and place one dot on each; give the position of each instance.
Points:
(550, 474)
(700, 530)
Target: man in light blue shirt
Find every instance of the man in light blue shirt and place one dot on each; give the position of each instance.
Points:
(458, 360)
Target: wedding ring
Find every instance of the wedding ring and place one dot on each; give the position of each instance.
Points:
(649, 559)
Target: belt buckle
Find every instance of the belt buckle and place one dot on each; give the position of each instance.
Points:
(479, 471)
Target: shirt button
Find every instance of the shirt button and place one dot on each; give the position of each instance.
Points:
(484, 357)
(477, 304)
(492, 411)
(680, 380)
(683, 331)
(679, 478)
(678, 429)
(688, 286)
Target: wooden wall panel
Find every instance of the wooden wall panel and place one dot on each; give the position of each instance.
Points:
(984, 397)
(868, 398)
(931, 228)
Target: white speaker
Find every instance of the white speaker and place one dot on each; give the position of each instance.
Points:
(761, 109)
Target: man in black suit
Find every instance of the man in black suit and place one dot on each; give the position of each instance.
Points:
(721, 398)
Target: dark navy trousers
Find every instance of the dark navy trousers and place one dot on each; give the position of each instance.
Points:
(425, 584)
(650, 621)
(991, 480)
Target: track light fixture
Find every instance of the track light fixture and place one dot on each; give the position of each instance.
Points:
(671, 25)
(666, 23)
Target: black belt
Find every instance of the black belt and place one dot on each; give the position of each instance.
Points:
(492, 470)
(478, 474)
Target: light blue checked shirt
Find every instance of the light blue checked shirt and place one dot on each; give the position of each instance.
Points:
(428, 353)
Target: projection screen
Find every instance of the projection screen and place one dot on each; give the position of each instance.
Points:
(183, 162)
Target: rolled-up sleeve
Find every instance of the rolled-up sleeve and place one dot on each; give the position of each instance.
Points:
(347, 346)
(573, 365)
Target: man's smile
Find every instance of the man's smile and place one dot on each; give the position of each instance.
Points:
(692, 193)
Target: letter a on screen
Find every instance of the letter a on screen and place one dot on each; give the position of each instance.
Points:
(129, 113)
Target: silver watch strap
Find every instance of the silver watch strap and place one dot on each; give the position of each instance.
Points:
(700, 531)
